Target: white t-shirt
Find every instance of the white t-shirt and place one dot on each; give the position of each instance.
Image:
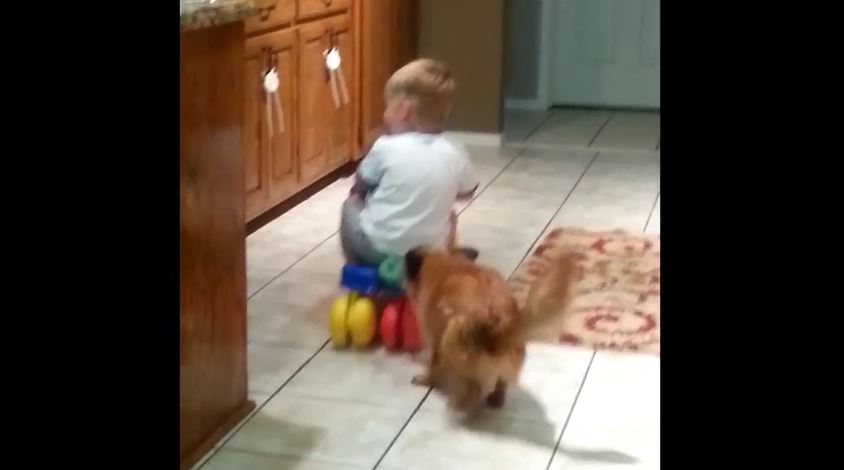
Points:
(417, 179)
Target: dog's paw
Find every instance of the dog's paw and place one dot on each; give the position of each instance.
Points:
(497, 397)
(495, 400)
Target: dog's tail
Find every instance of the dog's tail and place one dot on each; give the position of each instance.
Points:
(549, 295)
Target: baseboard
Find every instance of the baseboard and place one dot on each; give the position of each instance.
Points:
(524, 105)
(475, 138)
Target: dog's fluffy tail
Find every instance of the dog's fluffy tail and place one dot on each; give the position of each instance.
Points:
(550, 295)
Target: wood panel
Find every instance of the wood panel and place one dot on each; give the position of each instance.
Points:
(376, 64)
(474, 51)
(342, 135)
(312, 8)
(405, 32)
(271, 14)
(272, 136)
(314, 102)
(388, 41)
(254, 128)
(212, 269)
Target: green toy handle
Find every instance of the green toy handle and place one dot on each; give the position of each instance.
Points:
(389, 272)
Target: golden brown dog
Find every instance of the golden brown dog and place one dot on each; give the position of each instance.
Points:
(473, 324)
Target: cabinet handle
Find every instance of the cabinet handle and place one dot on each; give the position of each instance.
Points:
(265, 12)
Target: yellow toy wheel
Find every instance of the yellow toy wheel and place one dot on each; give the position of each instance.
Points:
(361, 322)
(338, 320)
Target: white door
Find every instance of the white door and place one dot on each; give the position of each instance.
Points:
(605, 53)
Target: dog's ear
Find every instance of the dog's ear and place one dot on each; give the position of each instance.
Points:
(413, 263)
(468, 252)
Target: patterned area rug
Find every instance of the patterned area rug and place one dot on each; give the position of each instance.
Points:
(616, 305)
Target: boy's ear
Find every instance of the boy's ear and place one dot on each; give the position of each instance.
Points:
(413, 263)
(406, 107)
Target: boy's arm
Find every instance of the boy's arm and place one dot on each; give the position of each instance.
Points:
(369, 170)
(468, 183)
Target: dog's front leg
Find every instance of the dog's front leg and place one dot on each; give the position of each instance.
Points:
(428, 379)
(497, 397)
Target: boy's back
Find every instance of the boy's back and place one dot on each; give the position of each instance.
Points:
(417, 179)
(414, 175)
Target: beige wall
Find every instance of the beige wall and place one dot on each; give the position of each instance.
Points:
(468, 36)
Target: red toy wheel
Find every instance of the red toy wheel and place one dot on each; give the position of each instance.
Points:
(389, 327)
(411, 339)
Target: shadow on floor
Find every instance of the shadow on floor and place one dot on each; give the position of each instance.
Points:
(274, 443)
(604, 456)
(543, 432)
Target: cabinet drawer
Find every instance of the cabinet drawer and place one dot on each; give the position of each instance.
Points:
(271, 14)
(309, 8)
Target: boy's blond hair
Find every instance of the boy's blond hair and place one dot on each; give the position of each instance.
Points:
(429, 84)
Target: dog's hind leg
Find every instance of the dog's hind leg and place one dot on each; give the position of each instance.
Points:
(497, 397)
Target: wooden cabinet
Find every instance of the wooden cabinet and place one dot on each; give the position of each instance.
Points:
(405, 30)
(388, 41)
(269, 126)
(320, 135)
(325, 139)
(376, 64)
(311, 8)
(212, 258)
(314, 112)
(271, 14)
(342, 134)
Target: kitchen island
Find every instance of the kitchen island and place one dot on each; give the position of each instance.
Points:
(212, 260)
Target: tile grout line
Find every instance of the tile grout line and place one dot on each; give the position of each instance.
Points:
(559, 208)
(651, 213)
(571, 410)
(601, 129)
(582, 148)
(492, 180)
(541, 123)
(396, 437)
(551, 219)
(293, 264)
(257, 409)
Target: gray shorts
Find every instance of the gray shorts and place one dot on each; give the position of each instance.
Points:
(357, 247)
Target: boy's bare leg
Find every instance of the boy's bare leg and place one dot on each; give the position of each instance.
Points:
(452, 230)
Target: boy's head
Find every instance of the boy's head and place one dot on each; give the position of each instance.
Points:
(418, 97)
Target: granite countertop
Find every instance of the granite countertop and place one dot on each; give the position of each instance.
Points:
(196, 14)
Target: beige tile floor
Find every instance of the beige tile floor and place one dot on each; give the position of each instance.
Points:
(321, 409)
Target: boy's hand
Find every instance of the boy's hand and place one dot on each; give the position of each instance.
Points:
(462, 197)
(359, 188)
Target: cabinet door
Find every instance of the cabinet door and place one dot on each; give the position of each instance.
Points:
(341, 129)
(271, 14)
(271, 172)
(280, 146)
(376, 63)
(254, 156)
(315, 106)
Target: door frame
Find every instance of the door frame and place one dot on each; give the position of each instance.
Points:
(545, 41)
(541, 101)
